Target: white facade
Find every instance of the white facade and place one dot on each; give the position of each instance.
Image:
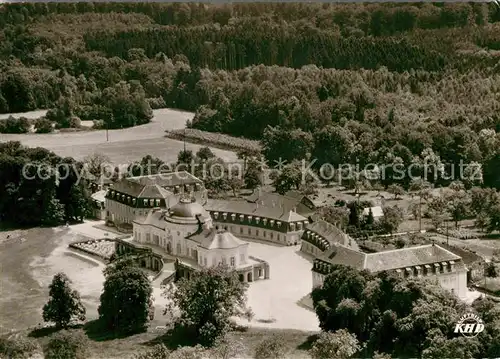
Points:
(177, 232)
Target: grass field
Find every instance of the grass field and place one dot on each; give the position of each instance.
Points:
(124, 146)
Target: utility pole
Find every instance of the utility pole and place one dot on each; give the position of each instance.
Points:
(447, 236)
(420, 213)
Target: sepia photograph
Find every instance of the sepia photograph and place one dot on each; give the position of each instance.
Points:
(249, 180)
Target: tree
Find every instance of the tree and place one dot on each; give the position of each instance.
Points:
(354, 215)
(458, 206)
(490, 270)
(253, 174)
(396, 190)
(273, 347)
(43, 125)
(340, 344)
(67, 345)
(126, 299)
(289, 178)
(392, 219)
(482, 221)
(95, 164)
(339, 216)
(185, 157)
(205, 153)
(208, 301)
(64, 304)
(370, 220)
(494, 219)
(482, 199)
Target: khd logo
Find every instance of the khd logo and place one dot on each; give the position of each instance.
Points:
(469, 325)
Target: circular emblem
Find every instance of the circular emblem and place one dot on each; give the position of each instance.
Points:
(469, 325)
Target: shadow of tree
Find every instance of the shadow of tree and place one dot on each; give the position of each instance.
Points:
(96, 331)
(46, 331)
(308, 343)
(175, 337)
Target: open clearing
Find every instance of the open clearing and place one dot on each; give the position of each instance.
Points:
(124, 146)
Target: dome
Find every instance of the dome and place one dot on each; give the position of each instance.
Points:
(188, 209)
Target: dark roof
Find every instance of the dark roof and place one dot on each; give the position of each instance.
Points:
(467, 256)
(138, 190)
(255, 209)
(291, 200)
(188, 209)
(389, 260)
(344, 256)
(217, 239)
(408, 257)
(169, 179)
(332, 234)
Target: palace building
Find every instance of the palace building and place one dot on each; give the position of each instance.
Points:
(186, 232)
(428, 261)
(133, 197)
(320, 236)
(274, 223)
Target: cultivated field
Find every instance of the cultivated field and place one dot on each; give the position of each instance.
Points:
(124, 146)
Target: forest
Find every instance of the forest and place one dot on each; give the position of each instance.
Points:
(377, 83)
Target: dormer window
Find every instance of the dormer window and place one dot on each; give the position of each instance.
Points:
(157, 202)
(250, 218)
(233, 216)
(242, 217)
(145, 202)
(257, 220)
(264, 220)
(224, 216)
(134, 201)
(271, 222)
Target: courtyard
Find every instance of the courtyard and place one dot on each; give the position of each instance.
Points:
(31, 258)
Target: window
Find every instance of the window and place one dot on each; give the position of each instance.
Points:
(223, 260)
(178, 248)
(145, 202)
(249, 231)
(157, 202)
(241, 230)
(242, 257)
(151, 202)
(148, 238)
(265, 234)
(205, 261)
(272, 235)
(213, 261)
(233, 262)
(256, 232)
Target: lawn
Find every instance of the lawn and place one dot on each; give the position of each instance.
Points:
(124, 146)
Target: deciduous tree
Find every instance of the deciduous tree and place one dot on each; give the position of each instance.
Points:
(64, 304)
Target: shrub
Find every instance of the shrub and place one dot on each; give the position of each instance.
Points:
(273, 347)
(15, 125)
(67, 345)
(42, 125)
(340, 344)
(17, 348)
